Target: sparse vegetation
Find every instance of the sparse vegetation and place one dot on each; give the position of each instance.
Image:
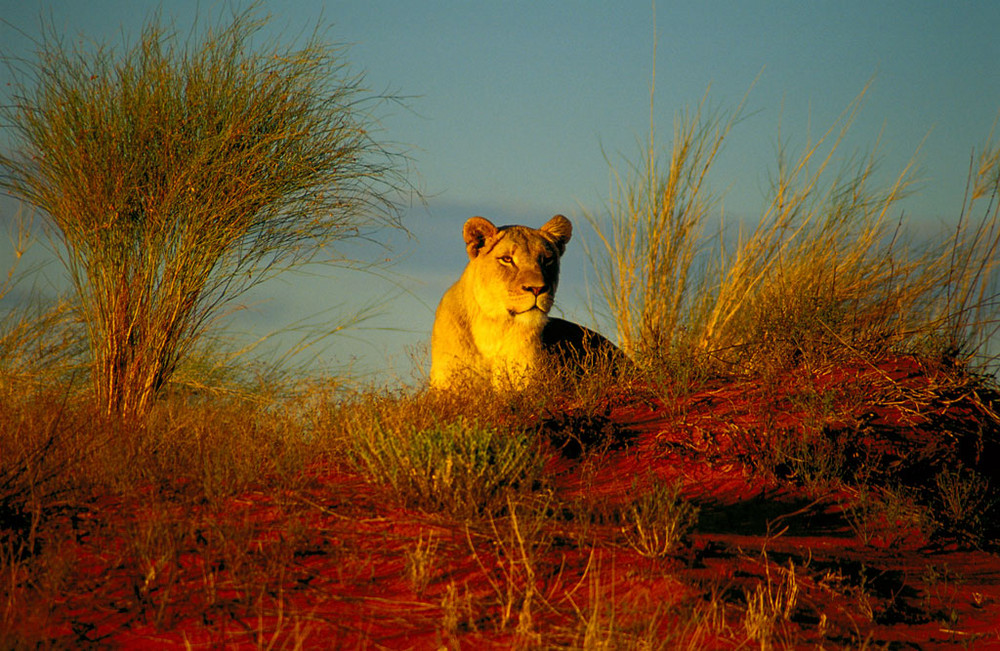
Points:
(770, 604)
(812, 397)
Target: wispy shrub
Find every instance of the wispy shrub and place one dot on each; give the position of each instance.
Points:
(888, 516)
(826, 271)
(770, 605)
(179, 174)
(965, 503)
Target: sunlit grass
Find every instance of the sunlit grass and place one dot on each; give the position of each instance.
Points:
(827, 271)
(179, 174)
(657, 215)
(431, 483)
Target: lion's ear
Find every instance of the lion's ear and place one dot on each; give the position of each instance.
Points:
(475, 232)
(560, 230)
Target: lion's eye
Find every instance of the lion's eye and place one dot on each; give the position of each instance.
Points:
(506, 259)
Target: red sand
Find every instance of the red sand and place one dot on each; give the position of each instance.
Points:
(327, 566)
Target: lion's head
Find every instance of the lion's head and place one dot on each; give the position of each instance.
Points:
(515, 269)
(490, 322)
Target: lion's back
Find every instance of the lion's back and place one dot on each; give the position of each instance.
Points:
(578, 348)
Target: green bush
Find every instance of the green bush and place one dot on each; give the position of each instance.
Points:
(460, 468)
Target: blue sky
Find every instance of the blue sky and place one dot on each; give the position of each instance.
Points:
(514, 106)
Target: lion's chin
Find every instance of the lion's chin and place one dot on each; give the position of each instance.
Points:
(533, 316)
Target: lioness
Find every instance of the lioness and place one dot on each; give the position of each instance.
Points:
(494, 321)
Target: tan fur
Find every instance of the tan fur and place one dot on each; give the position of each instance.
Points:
(489, 324)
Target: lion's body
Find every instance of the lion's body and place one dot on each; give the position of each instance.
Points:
(493, 323)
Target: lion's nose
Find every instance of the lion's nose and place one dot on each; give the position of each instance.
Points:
(536, 290)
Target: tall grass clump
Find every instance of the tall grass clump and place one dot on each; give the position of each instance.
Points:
(968, 301)
(656, 521)
(652, 234)
(830, 270)
(178, 174)
(826, 271)
(822, 269)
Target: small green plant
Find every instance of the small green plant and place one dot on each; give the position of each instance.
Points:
(656, 521)
(461, 467)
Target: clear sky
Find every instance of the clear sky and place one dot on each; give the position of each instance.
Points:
(514, 106)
